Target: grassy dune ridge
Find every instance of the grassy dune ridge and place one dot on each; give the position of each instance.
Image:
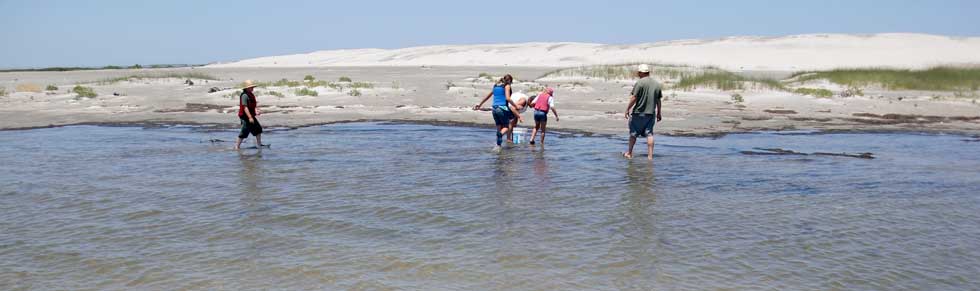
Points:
(950, 79)
(933, 79)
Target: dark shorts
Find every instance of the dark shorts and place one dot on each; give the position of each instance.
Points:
(540, 116)
(254, 128)
(502, 116)
(641, 125)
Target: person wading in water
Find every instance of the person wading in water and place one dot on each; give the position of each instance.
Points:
(503, 107)
(247, 114)
(644, 101)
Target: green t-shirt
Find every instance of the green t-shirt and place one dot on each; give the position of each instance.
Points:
(647, 91)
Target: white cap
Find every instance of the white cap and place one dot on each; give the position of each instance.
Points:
(644, 68)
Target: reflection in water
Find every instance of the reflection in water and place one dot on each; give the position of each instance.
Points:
(542, 179)
(640, 234)
(250, 175)
(352, 208)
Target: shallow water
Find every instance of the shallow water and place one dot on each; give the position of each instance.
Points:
(371, 206)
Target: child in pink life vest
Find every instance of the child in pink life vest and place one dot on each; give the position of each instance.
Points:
(544, 102)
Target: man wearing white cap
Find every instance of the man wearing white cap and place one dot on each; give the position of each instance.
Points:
(644, 103)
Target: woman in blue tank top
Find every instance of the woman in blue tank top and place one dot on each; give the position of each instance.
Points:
(503, 107)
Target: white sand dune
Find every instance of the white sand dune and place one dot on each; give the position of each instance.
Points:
(789, 53)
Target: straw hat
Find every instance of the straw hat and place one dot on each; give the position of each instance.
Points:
(248, 84)
(644, 68)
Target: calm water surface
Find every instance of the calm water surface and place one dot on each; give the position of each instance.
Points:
(372, 206)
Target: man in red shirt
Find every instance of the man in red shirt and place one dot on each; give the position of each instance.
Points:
(246, 113)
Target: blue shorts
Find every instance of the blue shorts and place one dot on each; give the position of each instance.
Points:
(540, 116)
(502, 115)
(641, 125)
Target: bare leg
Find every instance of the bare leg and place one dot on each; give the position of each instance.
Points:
(238, 144)
(544, 129)
(501, 131)
(258, 140)
(629, 151)
(534, 132)
(650, 147)
(510, 130)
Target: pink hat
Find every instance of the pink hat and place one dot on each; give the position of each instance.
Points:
(550, 91)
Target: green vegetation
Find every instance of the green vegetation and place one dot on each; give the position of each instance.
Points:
(486, 76)
(534, 89)
(356, 85)
(626, 71)
(277, 94)
(3, 91)
(306, 92)
(934, 79)
(355, 93)
(175, 75)
(289, 83)
(51, 88)
(726, 81)
(822, 93)
(84, 92)
(345, 79)
(309, 78)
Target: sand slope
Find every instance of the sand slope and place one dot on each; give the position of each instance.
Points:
(790, 53)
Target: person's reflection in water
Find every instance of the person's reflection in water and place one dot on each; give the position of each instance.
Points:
(251, 190)
(640, 237)
(543, 180)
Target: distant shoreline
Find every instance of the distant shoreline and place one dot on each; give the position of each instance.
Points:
(449, 123)
(110, 67)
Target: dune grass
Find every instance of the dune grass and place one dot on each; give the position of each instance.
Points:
(344, 79)
(51, 88)
(726, 81)
(275, 93)
(361, 85)
(84, 92)
(175, 75)
(486, 76)
(625, 71)
(306, 92)
(822, 93)
(3, 91)
(933, 79)
(354, 92)
(309, 78)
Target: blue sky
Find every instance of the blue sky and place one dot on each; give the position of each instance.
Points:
(41, 33)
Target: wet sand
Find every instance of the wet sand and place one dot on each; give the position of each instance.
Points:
(447, 95)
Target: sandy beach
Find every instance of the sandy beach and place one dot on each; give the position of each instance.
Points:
(446, 91)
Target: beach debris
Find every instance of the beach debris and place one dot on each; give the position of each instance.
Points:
(215, 140)
(216, 89)
(892, 118)
(779, 111)
(189, 82)
(118, 94)
(785, 152)
(193, 107)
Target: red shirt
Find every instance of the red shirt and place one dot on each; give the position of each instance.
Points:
(246, 100)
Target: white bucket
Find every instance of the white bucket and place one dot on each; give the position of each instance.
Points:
(520, 135)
